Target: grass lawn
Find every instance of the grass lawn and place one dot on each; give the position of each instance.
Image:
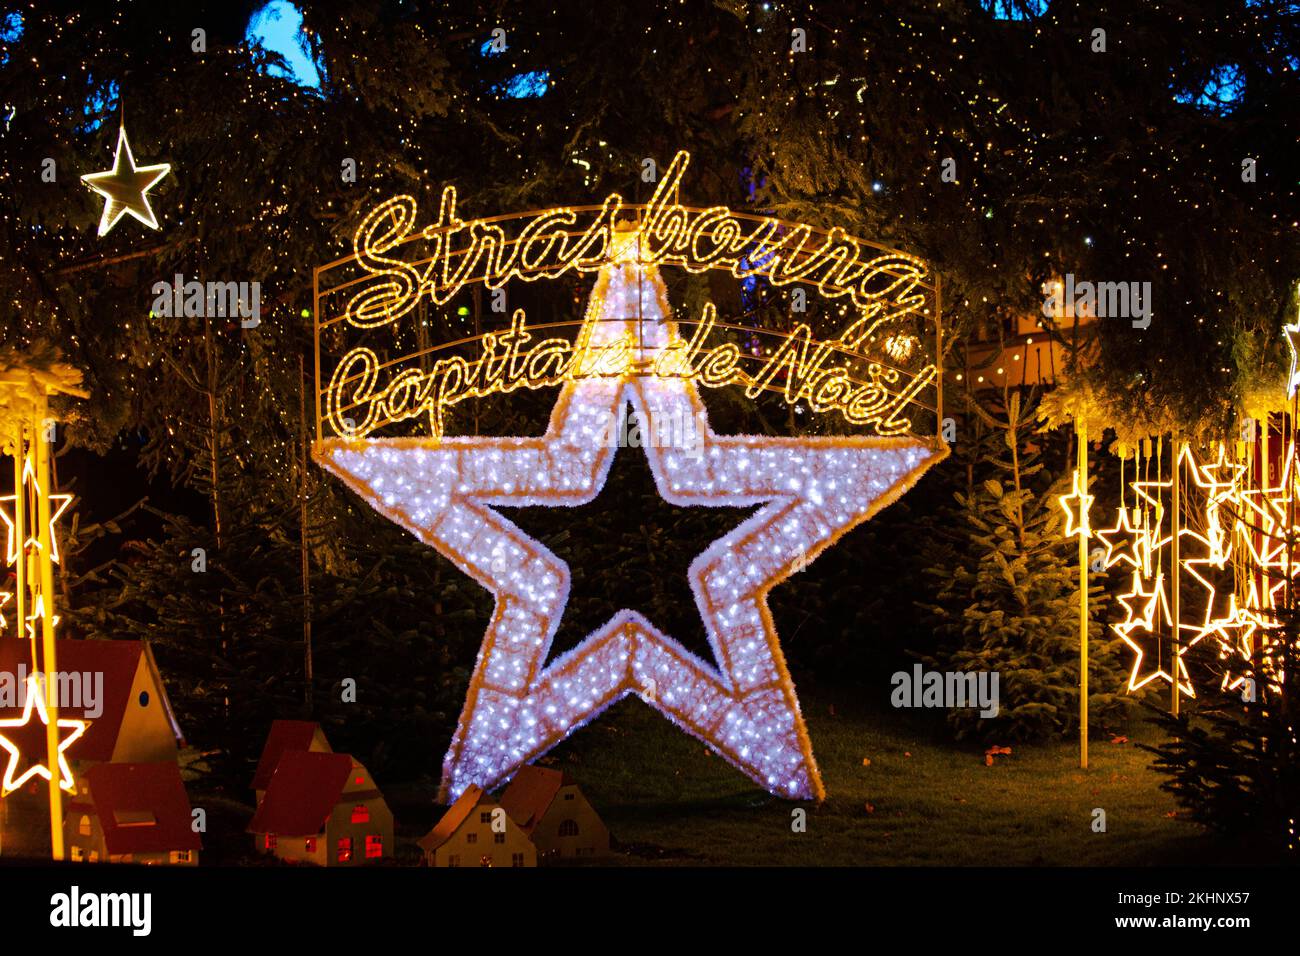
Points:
(921, 800)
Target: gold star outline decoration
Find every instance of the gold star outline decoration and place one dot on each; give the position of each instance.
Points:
(35, 703)
(1076, 506)
(58, 504)
(125, 187)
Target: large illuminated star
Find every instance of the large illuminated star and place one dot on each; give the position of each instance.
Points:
(125, 187)
(810, 492)
(36, 702)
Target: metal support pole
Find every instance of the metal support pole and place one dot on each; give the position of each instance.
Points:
(1175, 566)
(1081, 464)
(49, 662)
(20, 537)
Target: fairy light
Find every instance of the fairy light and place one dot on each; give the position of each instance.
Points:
(1256, 523)
(810, 491)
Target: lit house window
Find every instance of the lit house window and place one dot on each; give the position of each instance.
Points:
(345, 850)
(361, 813)
(374, 846)
(270, 841)
(569, 828)
(180, 856)
(83, 826)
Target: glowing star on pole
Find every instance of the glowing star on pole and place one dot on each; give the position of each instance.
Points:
(1124, 541)
(1076, 506)
(810, 491)
(58, 505)
(125, 187)
(35, 701)
(1148, 614)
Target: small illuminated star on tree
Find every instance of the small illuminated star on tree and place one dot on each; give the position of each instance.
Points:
(125, 187)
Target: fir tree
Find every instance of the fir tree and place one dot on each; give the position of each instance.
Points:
(1008, 598)
(1232, 759)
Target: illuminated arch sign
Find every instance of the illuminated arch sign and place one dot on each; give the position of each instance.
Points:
(877, 370)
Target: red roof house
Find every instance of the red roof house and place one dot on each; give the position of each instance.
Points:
(286, 735)
(114, 686)
(322, 808)
(132, 813)
(115, 689)
(555, 814)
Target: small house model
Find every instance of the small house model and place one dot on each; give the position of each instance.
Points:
(115, 688)
(131, 813)
(551, 809)
(477, 831)
(322, 808)
(286, 735)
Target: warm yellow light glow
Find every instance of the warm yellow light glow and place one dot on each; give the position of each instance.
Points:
(125, 187)
(1232, 516)
(1076, 505)
(451, 253)
(807, 492)
(35, 702)
(58, 505)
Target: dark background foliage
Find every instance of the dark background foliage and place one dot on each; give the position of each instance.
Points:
(1106, 164)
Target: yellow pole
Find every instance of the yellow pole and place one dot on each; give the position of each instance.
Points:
(49, 663)
(1175, 565)
(20, 536)
(1081, 434)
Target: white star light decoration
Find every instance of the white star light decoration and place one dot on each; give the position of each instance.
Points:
(125, 187)
(812, 490)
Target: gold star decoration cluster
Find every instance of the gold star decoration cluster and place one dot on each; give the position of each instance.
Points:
(1232, 561)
